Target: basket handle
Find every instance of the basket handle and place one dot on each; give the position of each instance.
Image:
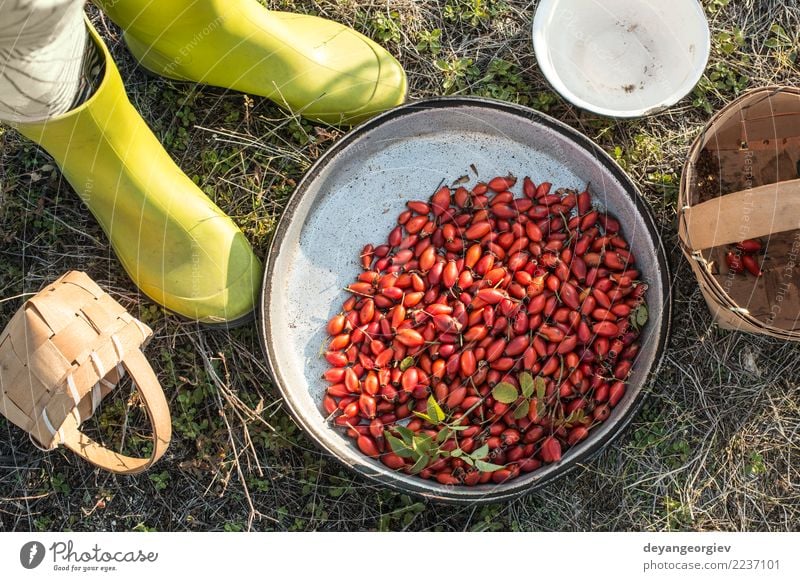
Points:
(724, 220)
(157, 410)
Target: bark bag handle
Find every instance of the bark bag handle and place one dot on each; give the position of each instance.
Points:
(751, 213)
(155, 403)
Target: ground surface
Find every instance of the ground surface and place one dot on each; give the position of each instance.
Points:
(715, 447)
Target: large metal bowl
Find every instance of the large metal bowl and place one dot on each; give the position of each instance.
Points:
(353, 195)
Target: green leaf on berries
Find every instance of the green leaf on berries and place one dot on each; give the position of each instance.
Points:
(399, 447)
(640, 315)
(481, 452)
(505, 393)
(405, 433)
(541, 391)
(420, 464)
(487, 466)
(467, 460)
(456, 453)
(540, 385)
(526, 383)
(434, 411)
(576, 417)
(425, 417)
(406, 363)
(443, 435)
(522, 410)
(422, 444)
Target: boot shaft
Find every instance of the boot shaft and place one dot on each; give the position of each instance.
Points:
(149, 18)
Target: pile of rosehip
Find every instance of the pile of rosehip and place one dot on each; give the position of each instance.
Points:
(744, 258)
(488, 335)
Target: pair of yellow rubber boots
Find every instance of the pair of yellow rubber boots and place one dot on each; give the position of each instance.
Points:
(178, 247)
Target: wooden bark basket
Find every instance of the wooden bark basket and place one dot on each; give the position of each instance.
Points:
(61, 354)
(740, 182)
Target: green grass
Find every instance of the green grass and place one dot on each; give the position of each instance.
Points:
(714, 447)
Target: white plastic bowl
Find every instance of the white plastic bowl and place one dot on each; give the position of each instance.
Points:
(621, 58)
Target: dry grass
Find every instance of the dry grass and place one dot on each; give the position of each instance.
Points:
(716, 446)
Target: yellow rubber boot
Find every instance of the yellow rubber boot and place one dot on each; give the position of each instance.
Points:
(316, 67)
(179, 248)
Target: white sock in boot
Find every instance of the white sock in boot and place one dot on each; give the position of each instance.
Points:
(42, 50)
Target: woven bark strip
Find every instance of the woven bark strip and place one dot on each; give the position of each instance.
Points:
(61, 354)
(742, 181)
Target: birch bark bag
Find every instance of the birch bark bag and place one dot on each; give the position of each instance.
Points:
(61, 354)
(741, 182)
